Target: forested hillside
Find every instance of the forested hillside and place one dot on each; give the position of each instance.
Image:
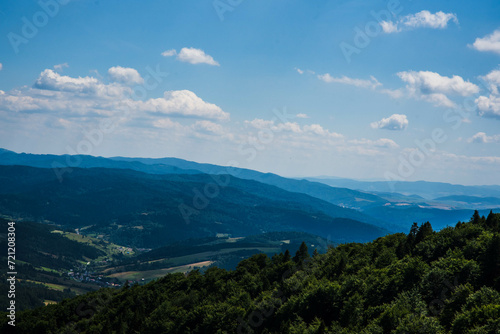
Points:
(149, 210)
(41, 256)
(420, 282)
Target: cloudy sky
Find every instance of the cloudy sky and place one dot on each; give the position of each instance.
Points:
(362, 89)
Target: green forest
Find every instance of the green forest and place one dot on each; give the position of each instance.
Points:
(421, 282)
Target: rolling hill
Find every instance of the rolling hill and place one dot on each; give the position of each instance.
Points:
(151, 210)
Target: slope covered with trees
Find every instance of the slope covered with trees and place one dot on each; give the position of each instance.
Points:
(420, 282)
(151, 210)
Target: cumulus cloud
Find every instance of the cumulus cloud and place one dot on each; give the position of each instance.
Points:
(313, 129)
(394, 122)
(169, 53)
(423, 19)
(492, 80)
(382, 143)
(210, 127)
(50, 80)
(482, 138)
(315, 138)
(125, 75)
(166, 123)
(426, 19)
(301, 115)
(489, 106)
(371, 83)
(207, 129)
(87, 97)
(192, 56)
(489, 43)
(433, 87)
(437, 99)
(429, 82)
(471, 159)
(16, 101)
(394, 93)
(181, 103)
(389, 27)
(299, 70)
(196, 56)
(60, 67)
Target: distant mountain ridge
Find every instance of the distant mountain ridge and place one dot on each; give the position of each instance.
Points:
(144, 210)
(338, 196)
(428, 190)
(394, 206)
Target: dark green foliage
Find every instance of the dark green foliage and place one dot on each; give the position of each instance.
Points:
(476, 219)
(37, 244)
(423, 282)
(301, 254)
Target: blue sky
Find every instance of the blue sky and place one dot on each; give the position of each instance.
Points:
(403, 90)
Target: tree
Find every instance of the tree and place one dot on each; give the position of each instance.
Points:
(490, 219)
(287, 256)
(476, 219)
(424, 231)
(301, 254)
(491, 266)
(493, 221)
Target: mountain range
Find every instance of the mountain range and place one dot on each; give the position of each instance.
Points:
(389, 206)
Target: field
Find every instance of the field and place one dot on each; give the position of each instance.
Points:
(96, 241)
(149, 275)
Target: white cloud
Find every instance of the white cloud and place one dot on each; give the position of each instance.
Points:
(372, 83)
(181, 103)
(489, 43)
(423, 19)
(207, 128)
(169, 53)
(488, 106)
(15, 101)
(394, 122)
(426, 19)
(167, 123)
(389, 27)
(88, 97)
(394, 93)
(299, 70)
(438, 99)
(428, 82)
(192, 56)
(284, 137)
(301, 115)
(1, 66)
(472, 159)
(125, 75)
(292, 127)
(433, 87)
(482, 138)
(60, 67)
(424, 85)
(196, 56)
(50, 80)
(319, 130)
(382, 143)
(493, 81)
